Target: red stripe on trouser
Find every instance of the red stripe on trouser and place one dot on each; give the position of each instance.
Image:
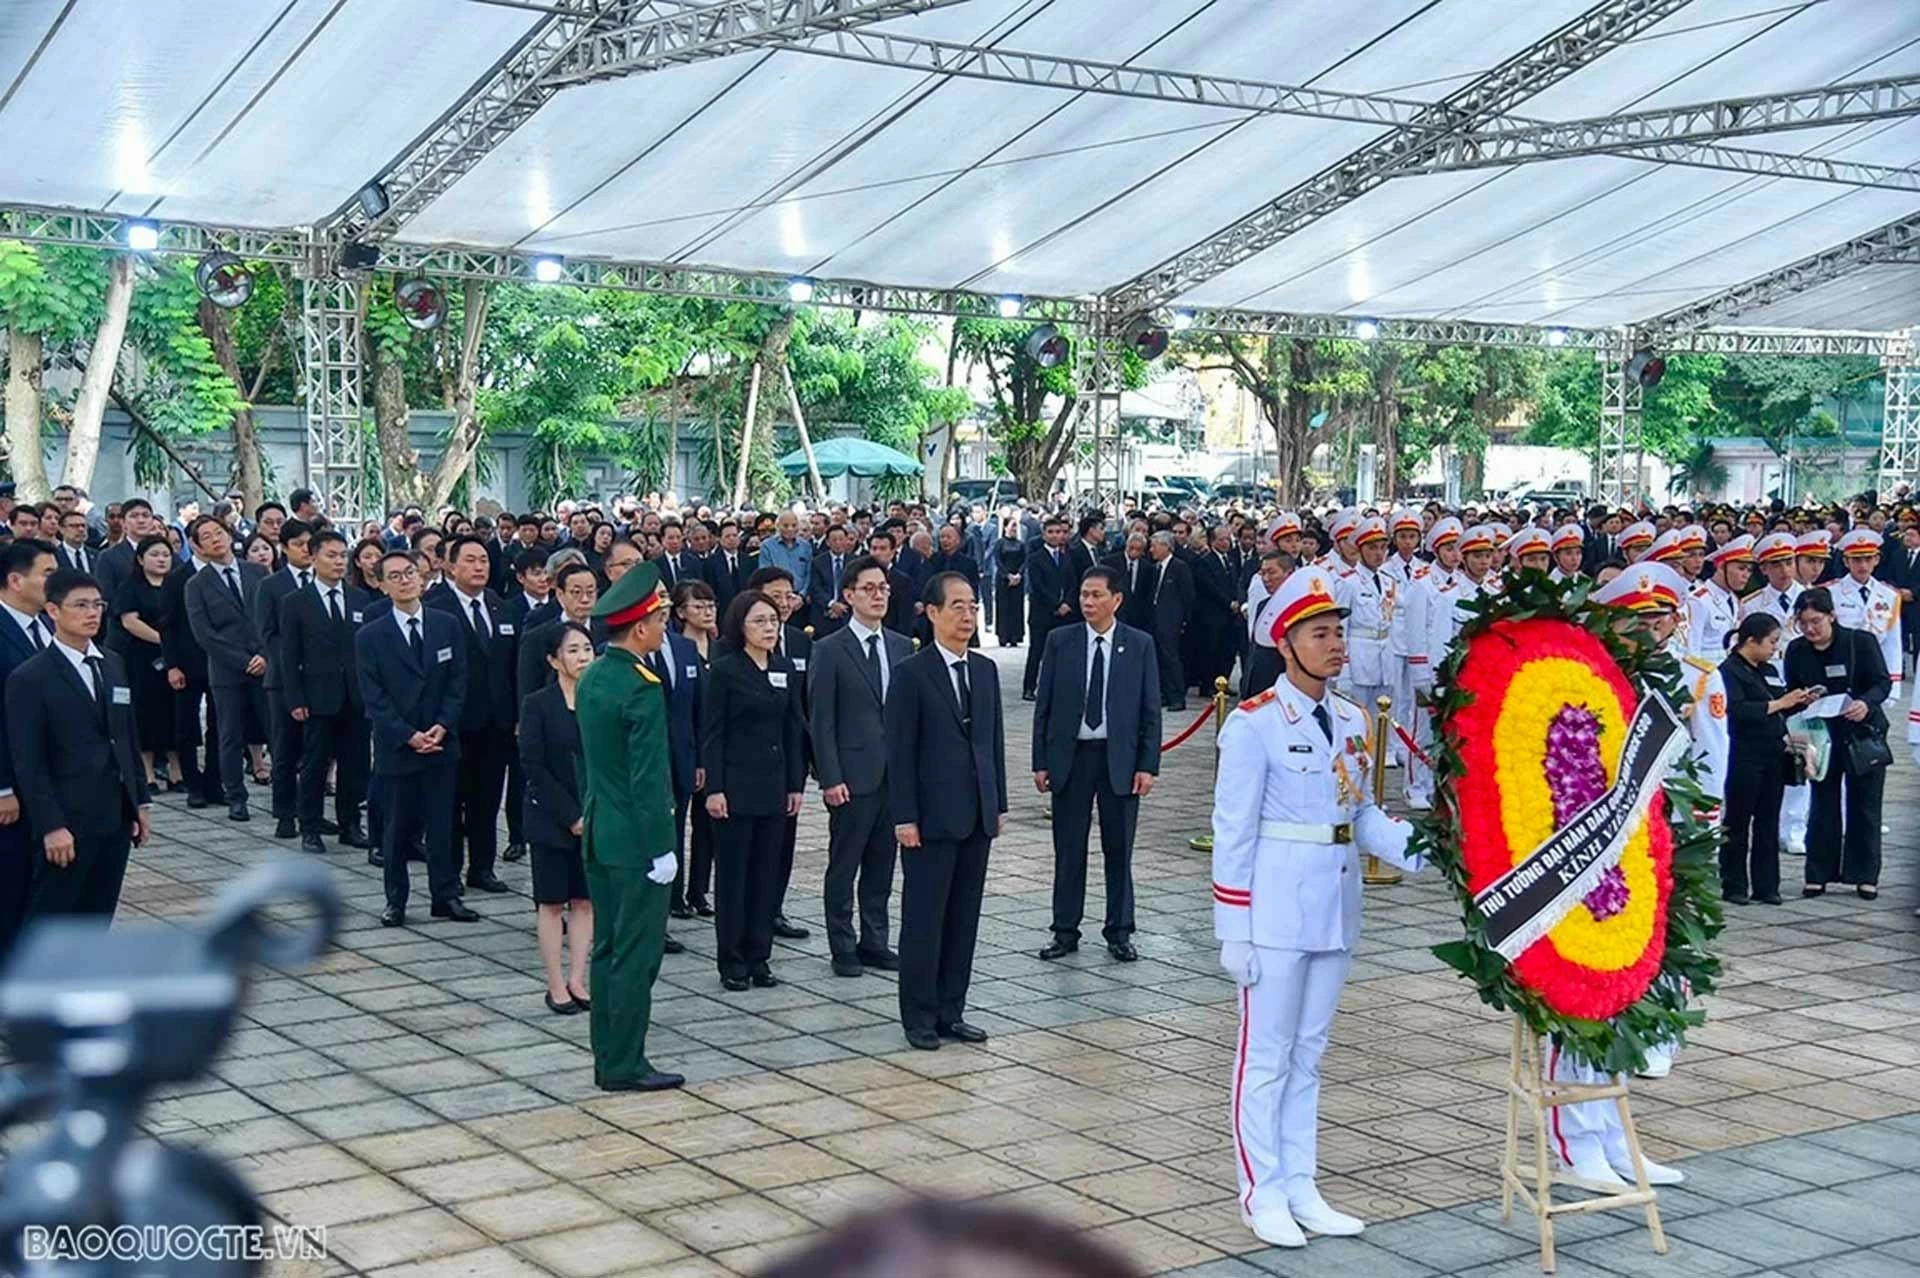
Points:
(1553, 1115)
(1239, 1079)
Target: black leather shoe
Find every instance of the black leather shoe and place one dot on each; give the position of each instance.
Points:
(568, 1008)
(922, 1040)
(1123, 951)
(847, 967)
(328, 827)
(284, 828)
(673, 947)
(680, 911)
(352, 836)
(1060, 947)
(198, 801)
(764, 980)
(582, 1002)
(1771, 898)
(733, 984)
(654, 1082)
(701, 906)
(457, 912)
(961, 1032)
(788, 931)
(488, 882)
(514, 852)
(238, 812)
(879, 960)
(393, 916)
(375, 857)
(312, 843)
(1735, 898)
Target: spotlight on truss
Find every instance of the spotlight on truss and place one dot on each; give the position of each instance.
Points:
(548, 270)
(1556, 337)
(356, 256)
(1010, 305)
(1182, 321)
(1048, 347)
(373, 200)
(1646, 368)
(1147, 338)
(1365, 329)
(800, 290)
(421, 303)
(143, 236)
(224, 280)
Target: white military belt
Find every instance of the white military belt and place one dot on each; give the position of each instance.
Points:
(1299, 832)
(1371, 634)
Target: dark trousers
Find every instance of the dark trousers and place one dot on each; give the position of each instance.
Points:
(629, 927)
(339, 739)
(415, 804)
(18, 852)
(1852, 856)
(288, 739)
(234, 704)
(1084, 788)
(693, 840)
(789, 838)
(1173, 687)
(476, 800)
(860, 847)
(200, 778)
(746, 874)
(90, 883)
(516, 796)
(944, 881)
(1750, 826)
(1038, 628)
(1264, 668)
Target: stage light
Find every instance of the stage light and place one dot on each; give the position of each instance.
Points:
(800, 290)
(356, 256)
(1365, 329)
(1182, 321)
(143, 236)
(421, 304)
(224, 279)
(1010, 305)
(1048, 347)
(1148, 339)
(1646, 368)
(373, 200)
(547, 270)
(1556, 337)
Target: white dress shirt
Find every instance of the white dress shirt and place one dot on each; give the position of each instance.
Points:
(32, 627)
(1105, 640)
(953, 680)
(467, 602)
(861, 634)
(401, 618)
(79, 660)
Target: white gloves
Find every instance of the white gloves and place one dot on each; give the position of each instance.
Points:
(1238, 960)
(663, 869)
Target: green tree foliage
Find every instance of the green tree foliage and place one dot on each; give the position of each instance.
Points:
(872, 375)
(1675, 414)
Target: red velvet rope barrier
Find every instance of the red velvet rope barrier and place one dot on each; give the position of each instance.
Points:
(1191, 729)
(1407, 741)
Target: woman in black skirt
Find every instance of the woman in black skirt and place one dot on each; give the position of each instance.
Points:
(145, 615)
(550, 754)
(751, 746)
(1010, 605)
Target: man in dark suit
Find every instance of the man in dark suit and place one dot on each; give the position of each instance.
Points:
(321, 690)
(412, 663)
(113, 566)
(487, 711)
(900, 593)
(220, 610)
(1170, 603)
(729, 566)
(1600, 539)
(847, 691)
(1089, 548)
(948, 798)
(529, 604)
(74, 747)
(1136, 576)
(675, 563)
(1213, 628)
(577, 591)
(287, 734)
(1049, 583)
(24, 632)
(1900, 568)
(825, 604)
(1096, 740)
(72, 550)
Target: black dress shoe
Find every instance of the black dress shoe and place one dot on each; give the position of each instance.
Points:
(847, 967)
(654, 1082)
(312, 843)
(672, 946)
(923, 1040)
(1027, 696)
(514, 852)
(733, 984)
(376, 857)
(680, 911)
(1771, 898)
(1060, 947)
(962, 1032)
(764, 980)
(238, 811)
(788, 931)
(198, 801)
(284, 828)
(701, 906)
(328, 827)
(1736, 898)
(488, 882)
(393, 916)
(879, 960)
(568, 1008)
(352, 836)
(456, 911)
(1123, 951)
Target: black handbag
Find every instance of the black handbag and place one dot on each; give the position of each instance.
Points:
(1867, 748)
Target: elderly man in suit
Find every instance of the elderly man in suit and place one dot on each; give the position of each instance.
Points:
(852, 672)
(71, 735)
(1096, 742)
(24, 633)
(1170, 604)
(220, 612)
(825, 605)
(948, 799)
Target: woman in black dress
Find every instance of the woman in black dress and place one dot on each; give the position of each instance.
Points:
(751, 745)
(363, 570)
(145, 615)
(1010, 603)
(1757, 709)
(599, 546)
(698, 622)
(550, 754)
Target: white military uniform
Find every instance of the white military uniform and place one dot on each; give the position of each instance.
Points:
(1292, 811)
(1874, 608)
(1715, 615)
(1406, 637)
(1369, 598)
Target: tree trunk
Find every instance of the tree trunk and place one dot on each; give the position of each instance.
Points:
(217, 324)
(25, 453)
(464, 439)
(763, 471)
(83, 436)
(1292, 428)
(1387, 424)
(399, 462)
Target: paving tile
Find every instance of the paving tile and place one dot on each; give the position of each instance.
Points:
(375, 1244)
(724, 1223)
(449, 1183)
(1754, 1235)
(523, 1213)
(591, 1251)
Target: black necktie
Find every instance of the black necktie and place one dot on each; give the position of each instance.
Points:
(413, 639)
(302, 578)
(1056, 559)
(333, 606)
(94, 665)
(33, 633)
(479, 618)
(966, 696)
(1097, 684)
(1380, 589)
(233, 584)
(1783, 601)
(1326, 724)
(873, 661)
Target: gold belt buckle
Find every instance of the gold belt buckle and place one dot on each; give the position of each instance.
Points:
(1343, 832)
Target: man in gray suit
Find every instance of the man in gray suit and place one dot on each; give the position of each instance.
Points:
(1096, 740)
(852, 670)
(220, 613)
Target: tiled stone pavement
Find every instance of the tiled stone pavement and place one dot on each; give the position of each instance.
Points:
(412, 1093)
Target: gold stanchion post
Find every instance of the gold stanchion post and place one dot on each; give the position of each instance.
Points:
(1373, 871)
(1204, 842)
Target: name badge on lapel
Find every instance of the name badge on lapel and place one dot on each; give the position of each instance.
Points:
(123, 696)
(443, 656)
(1299, 749)
(1836, 672)
(778, 678)
(356, 618)
(799, 665)
(693, 672)
(506, 627)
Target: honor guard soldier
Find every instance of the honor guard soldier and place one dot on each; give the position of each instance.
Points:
(1775, 553)
(1293, 810)
(1864, 602)
(1407, 629)
(1442, 584)
(1636, 539)
(1569, 544)
(1345, 556)
(1368, 596)
(1667, 549)
(1477, 552)
(1284, 533)
(1530, 548)
(1812, 556)
(1716, 601)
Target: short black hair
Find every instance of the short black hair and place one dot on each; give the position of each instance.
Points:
(20, 556)
(450, 549)
(65, 581)
(321, 536)
(764, 577)
(1116, 581)
(294, 530)
(940, 583)
(733, 626)
(557, 635)
(527, 560)
(390, 555)
(882, 534)
(193, 529)
(1814, 599)
(260, 511)
(1756, 625)
(855, 566)
(1089, 522)
(571, 569)
(300, 497)
(423, 532)
(131, 504)
(1057, 521)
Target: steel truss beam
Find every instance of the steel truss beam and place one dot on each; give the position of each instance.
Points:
(108, 231)
(331, 377)
(1484, 101)
(1454, 332)
(1900, 435)
(1619, 460)
(1097, 384)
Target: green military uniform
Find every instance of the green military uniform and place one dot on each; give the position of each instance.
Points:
(627, 809)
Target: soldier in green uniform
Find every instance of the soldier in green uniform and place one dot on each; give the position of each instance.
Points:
(628, 838)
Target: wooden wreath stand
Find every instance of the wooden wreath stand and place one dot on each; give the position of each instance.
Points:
(1531, 1093)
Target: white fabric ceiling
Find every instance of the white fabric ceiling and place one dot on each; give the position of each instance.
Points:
(273, 112)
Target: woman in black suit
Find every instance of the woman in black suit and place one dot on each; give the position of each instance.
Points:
(1010, 605)
(1757, 710)
(550, 755)
(1843, 826)
(751, 745)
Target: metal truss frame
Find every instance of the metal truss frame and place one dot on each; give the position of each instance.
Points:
(1900, 436)
(330, 374)
(1097, 383)
(1483, 101)
(1618, 463)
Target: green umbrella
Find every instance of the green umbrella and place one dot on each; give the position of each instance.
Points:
(845, 455)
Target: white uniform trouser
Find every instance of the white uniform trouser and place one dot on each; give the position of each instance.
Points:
(1284, 1021)
(1404, 712)
(1793, 814)
(1590, 1130)
(1418, 721)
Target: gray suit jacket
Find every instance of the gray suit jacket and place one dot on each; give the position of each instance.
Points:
(849, 735)
(223, 625)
